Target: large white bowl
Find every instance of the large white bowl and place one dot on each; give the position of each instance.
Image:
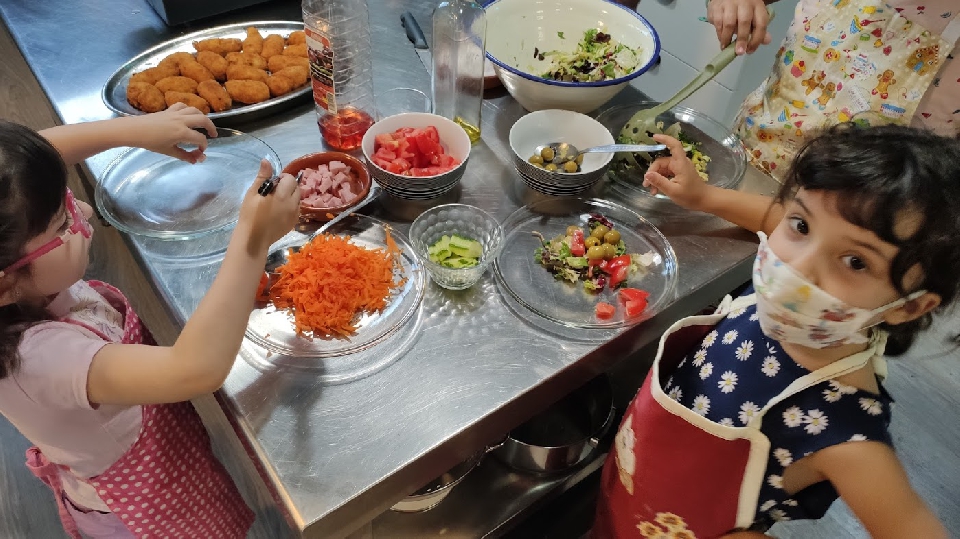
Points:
(516, 28)
(453, 139)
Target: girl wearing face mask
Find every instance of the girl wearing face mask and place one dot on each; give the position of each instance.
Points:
(774, 406)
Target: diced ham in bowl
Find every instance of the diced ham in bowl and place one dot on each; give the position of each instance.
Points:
(328, 185)
(332, 182)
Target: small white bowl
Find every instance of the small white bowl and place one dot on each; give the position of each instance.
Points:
(545, 126)
(453, 139)
(517, 28)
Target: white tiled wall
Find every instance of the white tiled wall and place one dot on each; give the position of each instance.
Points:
(688, 44)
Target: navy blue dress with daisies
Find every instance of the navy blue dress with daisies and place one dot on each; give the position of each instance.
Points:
(737, 370)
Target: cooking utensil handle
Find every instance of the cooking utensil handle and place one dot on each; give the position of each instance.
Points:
(712, 69)
(612, 148)
(412, 28)
(374, 192)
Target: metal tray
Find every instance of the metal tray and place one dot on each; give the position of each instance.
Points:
(114, 92)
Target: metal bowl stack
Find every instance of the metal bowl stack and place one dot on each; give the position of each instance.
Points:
(546, 126)
(453, 138)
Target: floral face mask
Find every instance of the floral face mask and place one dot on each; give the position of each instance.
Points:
(792, 309)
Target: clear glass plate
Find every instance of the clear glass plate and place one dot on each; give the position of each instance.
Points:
(273, 329)
(150, 194)
(566, 303)
(728, 159)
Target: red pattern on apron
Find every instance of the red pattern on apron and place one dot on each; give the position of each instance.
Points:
(169, 483)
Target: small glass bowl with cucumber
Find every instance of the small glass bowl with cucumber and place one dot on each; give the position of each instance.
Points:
(456, 243)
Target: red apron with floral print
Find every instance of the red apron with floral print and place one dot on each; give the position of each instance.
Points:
(169, 483)
(662, 479)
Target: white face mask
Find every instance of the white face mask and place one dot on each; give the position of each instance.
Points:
(792, 309)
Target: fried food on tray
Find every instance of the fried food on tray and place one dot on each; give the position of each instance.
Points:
(255, 69)
(215, 94)
(297, 37)
(216, 64)
(242, 72)
(175, 59)
(253, 43)
(196, 71)
(192, 100)
(248, 59)
(297, 74)
(177, 84)
(145, 97)
(278, 62)
(272, 46)
(219, 45)
(296, 50)
(153, 74)
(247, 91)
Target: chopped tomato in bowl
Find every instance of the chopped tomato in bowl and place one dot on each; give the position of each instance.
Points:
(409, 151)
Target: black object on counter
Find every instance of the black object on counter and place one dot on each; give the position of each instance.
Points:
(175, 12)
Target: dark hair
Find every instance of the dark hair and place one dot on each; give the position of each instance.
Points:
(878, 173)
(33, 181)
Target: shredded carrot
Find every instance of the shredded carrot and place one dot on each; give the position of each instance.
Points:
(330, 281)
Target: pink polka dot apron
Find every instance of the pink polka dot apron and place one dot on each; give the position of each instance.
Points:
(655, 481)
(857, 60)
(169, 484)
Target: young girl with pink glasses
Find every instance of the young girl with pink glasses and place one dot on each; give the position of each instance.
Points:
(108, 410)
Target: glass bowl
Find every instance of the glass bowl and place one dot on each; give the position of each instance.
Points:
(463, 220)
(728, 158)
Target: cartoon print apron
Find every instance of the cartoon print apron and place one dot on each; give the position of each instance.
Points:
(656, 483)
(168, 484)
(854, 60)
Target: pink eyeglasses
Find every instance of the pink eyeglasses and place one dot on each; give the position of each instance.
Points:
(76, 224)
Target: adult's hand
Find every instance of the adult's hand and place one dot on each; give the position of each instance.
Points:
(747, 19)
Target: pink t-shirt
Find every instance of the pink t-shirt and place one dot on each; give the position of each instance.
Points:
(46, 398)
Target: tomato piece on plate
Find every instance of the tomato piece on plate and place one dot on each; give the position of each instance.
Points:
(605, 311)
(633, 294)
(577, 245)
(634, 308)
(618, 275)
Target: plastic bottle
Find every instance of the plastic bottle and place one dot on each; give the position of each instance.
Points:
(338, 42)
(459, 45)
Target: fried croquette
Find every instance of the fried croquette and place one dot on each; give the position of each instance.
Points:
(253, 43)
(219, 45)
(192, 100)
(297, 74)
(247, 91)
(196, 71)
(216, 64)
(176, 59)
(145, 97)
(153, 74)
(297, 37)
(296, 50)
(252, 60)
(242, 72)
(216, 95)
(177, 84)
(280, 85)
(278, 62)
(272, 46)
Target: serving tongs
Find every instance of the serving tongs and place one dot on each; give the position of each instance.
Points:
(645, 120)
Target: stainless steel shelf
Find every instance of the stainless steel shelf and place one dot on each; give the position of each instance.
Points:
(488, 503)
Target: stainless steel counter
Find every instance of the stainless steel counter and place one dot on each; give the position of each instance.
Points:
(469, 367)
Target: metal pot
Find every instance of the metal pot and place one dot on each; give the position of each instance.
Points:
(435, 491)
(564, 435)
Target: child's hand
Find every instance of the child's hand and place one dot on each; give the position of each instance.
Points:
(164, 131)
(267, 218)
(676, 176)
